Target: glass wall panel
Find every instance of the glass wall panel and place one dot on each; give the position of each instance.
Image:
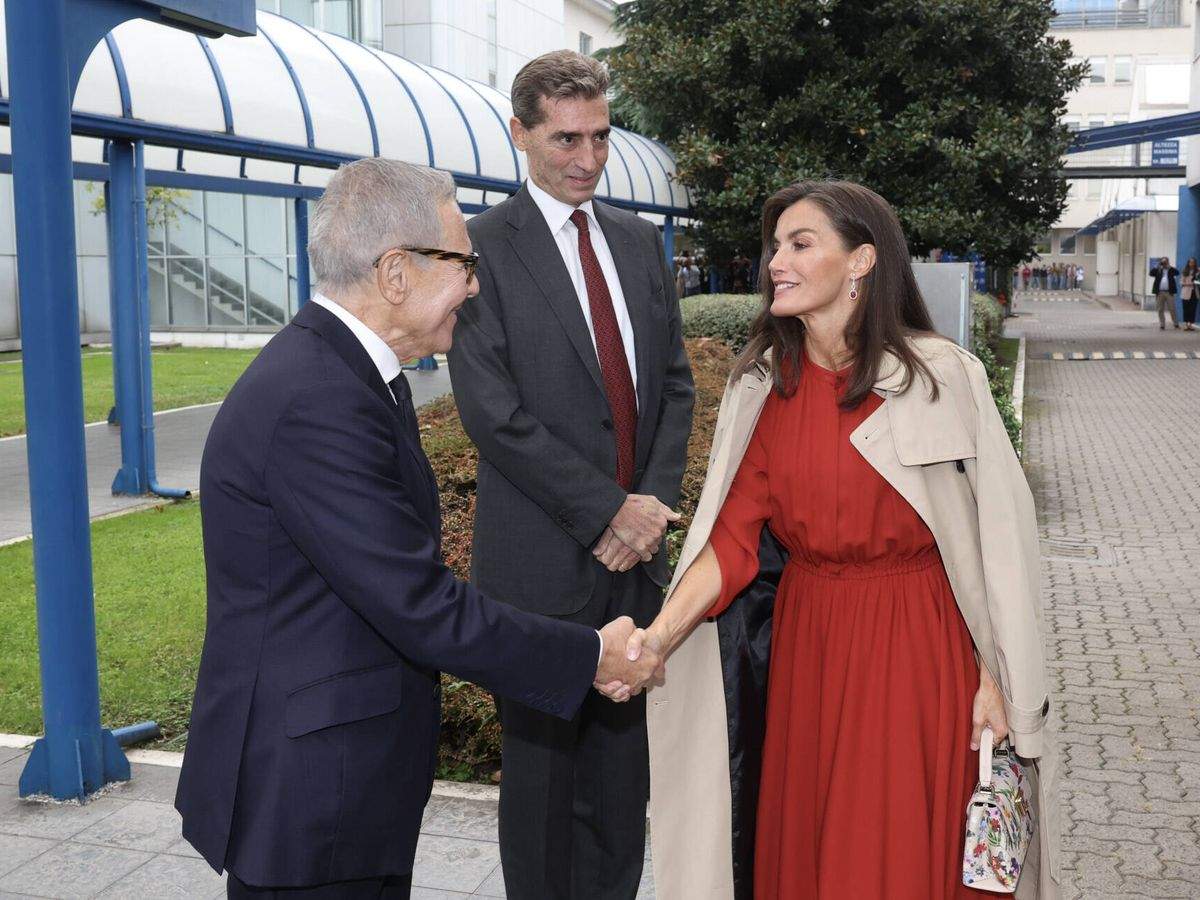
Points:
(8, 297)
(226, 233)
(8, 232)
(370, 23)
(185, 225)
(265, 231)
(91, 224)
(227, 290)
(267, 296)
(302, 11)
(159, 315)
(185, 289)
(158, 209)
(339, 18)
(293, 288)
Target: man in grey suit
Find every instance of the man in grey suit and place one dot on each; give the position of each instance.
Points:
(570, 375)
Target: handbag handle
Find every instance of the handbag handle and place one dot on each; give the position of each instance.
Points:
(985, 757)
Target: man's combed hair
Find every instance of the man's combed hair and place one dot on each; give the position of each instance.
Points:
(370, 206)
(556, 76)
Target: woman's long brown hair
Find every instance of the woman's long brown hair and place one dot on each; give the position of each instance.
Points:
(889, 308)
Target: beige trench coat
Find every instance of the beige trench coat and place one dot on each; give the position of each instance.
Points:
(986, 531)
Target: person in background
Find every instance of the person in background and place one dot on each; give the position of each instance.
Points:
(1079, 278)
(691, 278)
(1164, 288)
(1187, 292)
(1025, 273)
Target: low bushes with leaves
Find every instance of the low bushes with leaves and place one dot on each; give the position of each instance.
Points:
(987, 331)
(726, 317)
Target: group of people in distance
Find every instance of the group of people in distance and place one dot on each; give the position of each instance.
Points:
(1054, 277)
(865, 527)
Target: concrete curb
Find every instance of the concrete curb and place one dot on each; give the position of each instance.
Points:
(453, 790)
(1018, 388)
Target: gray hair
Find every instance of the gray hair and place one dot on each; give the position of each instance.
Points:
(557, 75)
(370, 206)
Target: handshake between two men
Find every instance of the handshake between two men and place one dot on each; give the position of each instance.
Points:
(631, 659)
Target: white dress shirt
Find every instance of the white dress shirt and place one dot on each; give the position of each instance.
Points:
(558, 217)
(387, 363)
(381, 354)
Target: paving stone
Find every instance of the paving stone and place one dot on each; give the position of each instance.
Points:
(168, 877)
(454, 864)
(149, 782)
(53, 820)
(17, 849)
(140, 825)
(475, 819)
(72, 870)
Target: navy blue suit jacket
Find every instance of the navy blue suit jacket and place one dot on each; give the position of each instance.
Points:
(314, 729)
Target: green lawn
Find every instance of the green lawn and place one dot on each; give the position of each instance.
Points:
(149, 584)
(182, 376)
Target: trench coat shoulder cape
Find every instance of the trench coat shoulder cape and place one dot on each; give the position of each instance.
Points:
(951, 459)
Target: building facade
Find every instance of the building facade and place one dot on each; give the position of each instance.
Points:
(1139, 54)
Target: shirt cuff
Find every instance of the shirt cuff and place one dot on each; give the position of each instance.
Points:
(600, 658)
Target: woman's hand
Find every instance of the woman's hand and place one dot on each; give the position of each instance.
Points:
(988, 710)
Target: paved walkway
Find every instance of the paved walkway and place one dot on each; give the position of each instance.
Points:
(180, 442)
(1113, 452)
(127, 843)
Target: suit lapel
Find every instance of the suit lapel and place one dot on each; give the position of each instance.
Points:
(316, 318)
(534, 244)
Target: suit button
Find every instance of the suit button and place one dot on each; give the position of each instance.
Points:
(606, 424)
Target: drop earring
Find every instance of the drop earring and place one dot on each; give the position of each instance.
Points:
(853, 289)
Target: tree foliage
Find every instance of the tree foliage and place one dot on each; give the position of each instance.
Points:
(951, 109)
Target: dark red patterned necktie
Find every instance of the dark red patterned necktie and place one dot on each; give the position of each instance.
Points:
(614, 365)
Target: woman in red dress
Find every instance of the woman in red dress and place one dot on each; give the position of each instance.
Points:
(875, 699)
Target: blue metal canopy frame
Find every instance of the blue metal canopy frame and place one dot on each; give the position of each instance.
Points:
(1126, 133)
(48, 45)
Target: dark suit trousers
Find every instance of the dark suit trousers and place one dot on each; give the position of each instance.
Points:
(573, 794)
(392, 888)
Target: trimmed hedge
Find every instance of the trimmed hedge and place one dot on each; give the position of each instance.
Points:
(987, 328)
(726, 317)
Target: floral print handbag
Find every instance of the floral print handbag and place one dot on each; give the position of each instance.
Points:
(999, 821)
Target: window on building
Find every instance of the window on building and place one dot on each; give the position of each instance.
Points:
(1122, 69)
(1098, 65)
(302, 11)
(1089, 245)
(1072, 123)
(585, 43)
(1066, 244)
(1043, 244)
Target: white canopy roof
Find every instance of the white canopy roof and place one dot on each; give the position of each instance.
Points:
(293, 85)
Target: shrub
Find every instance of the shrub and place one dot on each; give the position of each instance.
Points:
(987, 327)
(470, 744)
(726, 317)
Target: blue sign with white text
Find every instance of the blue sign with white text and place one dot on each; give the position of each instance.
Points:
(1164, 153)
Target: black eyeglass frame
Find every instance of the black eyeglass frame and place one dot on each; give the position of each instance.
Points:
(468, 261)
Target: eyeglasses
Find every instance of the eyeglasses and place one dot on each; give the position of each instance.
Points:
(468, 261)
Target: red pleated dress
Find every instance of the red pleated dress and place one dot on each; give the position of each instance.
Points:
(867, 766)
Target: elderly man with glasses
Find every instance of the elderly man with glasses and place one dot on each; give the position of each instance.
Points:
(314, 729)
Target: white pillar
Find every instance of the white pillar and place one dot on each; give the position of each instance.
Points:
(1106, 265)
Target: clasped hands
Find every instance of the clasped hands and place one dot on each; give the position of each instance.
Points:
(635, 532)
(632, 659)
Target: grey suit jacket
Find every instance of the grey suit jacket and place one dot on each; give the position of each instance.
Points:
(529, 391)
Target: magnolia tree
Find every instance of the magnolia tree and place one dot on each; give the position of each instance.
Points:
(951, 109)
